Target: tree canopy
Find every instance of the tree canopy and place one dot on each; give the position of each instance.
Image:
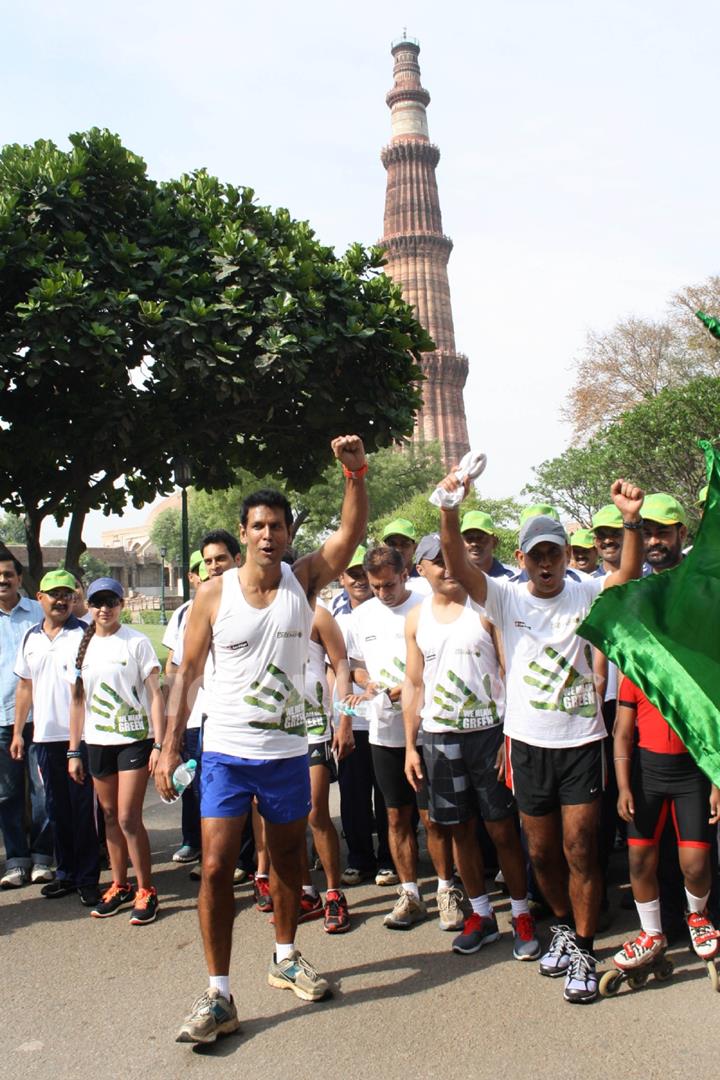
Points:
(142, 322)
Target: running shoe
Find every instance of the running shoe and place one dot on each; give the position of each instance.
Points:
(113, 898)
(211, 1015)
(298, 975)
(352, 876)
(311, 907)
(479, 930)
(581, 981)
(525, 943)
(637, 953)
(449, 902)
(146, 907)
(41, 874)
(89, 895)
(703, 935)
(557, 959)
(186, 854)
(386, 877)
(263, 899)
(59, 887)
(196, 872)
(14, 878)
(407, 910)
(240, 875)
(337, 918)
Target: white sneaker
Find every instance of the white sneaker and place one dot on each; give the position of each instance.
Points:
(407, 911)
(14, 878)
(449, 902)
(41, 874)
(383, 878)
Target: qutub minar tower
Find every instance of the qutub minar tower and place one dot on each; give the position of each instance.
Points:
(417, 252)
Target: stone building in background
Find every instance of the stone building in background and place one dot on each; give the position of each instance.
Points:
(417, 251)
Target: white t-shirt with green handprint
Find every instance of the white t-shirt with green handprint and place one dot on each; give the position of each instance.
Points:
(117, 705)
(551, 696)
(377, 639)
(461, 676)
(317, 696)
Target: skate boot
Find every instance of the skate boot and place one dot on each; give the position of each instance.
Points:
(643, 950)
(703, 935)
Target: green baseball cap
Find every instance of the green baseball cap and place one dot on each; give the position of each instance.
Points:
(357, 559)
(539, 510)
(607, 517)
(664, 509)
(195, 559)
(477, 519)
(702, 495)
(400, 527)
(584, 538)
(58, 579)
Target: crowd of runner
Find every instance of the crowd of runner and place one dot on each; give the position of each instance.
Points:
(436, 685)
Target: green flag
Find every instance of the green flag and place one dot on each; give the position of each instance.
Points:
(663, 632)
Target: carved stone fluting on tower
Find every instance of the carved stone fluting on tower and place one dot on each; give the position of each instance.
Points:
(417, 252)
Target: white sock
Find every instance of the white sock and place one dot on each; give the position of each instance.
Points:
(411, 887)
(697, 903)
(481, 905)
(221, 983)
(650, 917)
(519, 907)
(284, 952)
(310, 890)
(443, 884)
(262, 877)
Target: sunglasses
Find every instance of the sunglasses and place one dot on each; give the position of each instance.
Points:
(105, 600)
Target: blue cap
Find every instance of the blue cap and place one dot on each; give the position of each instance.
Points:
(105, 584)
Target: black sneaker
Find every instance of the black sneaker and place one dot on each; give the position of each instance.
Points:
(89, 895)
(145, 908)
(112, 899)
(59, 887)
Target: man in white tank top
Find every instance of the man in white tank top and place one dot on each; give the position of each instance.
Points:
(454, 687)
(256, 621)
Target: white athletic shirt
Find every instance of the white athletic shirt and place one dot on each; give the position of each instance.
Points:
(196, 713)
(343, 619)
(254, 703)
(117, 704)
(377, 639)
(45, 661)
(175, 627)
(419, 585)
(317, 696)
(463, 688)
(551, 696)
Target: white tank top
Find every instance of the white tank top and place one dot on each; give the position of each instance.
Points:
(463, 688)
(317, 696)
(254, 703)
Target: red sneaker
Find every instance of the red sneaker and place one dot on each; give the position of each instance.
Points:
(337, 919)
(263, 899)
(311, 907)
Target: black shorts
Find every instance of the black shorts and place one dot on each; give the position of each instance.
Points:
(665, 784)
(389, 765)
(463, 778)
(107, 760)
(320, 753)
(545, 778)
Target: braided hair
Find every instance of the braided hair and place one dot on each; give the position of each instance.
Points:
(78, 692)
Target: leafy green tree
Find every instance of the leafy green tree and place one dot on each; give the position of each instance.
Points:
(12, 530)
(91, 567)
(125, 303)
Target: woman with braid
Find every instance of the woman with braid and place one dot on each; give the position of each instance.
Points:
(117, 700)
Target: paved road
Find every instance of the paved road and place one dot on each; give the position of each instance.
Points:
(87, 997)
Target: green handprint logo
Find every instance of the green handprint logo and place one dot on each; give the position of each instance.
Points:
(466, 710)
(128, 720)
(571, 692)
(277, 694)
(316, 720)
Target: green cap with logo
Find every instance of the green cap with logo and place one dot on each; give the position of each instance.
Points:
(477, 519)
(539, 510)
(357, 559)
(400, 527)
(663, 508)
(607, 517)
(58, 579)
(584, 538)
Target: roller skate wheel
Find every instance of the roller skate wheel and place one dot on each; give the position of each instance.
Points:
(637, 979)
(664, 972)
(713, 975)
(610, 983)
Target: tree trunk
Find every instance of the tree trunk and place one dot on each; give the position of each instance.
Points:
(34, 569)
(75, 543)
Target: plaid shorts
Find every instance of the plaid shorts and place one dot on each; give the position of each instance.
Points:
(462, 776)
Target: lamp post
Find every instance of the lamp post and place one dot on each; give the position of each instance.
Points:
(163, 618)
(183, 476)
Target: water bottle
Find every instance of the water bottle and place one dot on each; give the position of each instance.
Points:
(182, 778)
(361, 709)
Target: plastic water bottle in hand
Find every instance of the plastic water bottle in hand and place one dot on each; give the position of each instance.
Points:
(361, 709)
(182, 778)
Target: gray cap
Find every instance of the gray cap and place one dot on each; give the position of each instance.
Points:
(428, 548)
(541, 530)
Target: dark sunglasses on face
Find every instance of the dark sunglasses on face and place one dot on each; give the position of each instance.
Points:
(105, 600)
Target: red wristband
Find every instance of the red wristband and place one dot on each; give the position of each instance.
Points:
(356, 474)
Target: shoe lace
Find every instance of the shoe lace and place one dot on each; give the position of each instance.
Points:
(143, 897)
(112, 891)
(448, 898)
(581, 964)
(562, 938)
(306, 967)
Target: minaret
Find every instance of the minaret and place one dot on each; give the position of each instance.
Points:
(417, 252)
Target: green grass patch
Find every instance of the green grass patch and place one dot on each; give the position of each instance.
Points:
(155, 634)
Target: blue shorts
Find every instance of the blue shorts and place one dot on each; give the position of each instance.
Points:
(281, 787)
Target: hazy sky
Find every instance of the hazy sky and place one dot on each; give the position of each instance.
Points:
(579, 168)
